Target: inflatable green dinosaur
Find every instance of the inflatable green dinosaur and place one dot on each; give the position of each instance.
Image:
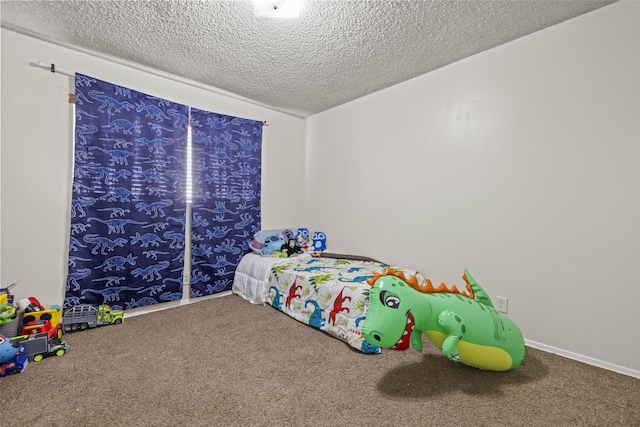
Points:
(465, 326)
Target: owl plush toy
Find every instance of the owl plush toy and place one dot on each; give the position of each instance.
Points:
(319, 241)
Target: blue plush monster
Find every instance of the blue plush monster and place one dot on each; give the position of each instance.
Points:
(272, 244)
(319, 241)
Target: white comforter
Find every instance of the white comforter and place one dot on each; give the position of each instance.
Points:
(252, 276)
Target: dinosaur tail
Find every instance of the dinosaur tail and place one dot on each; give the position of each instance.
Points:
(481, 294)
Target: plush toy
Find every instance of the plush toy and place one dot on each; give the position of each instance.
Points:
(272, 244)
(319, 241)
(266, 242)
(302, 238)
(290, 249)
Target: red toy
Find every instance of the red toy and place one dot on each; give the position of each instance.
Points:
(48, 321)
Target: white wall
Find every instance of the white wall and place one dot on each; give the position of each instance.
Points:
(37, 156)
(521, 164)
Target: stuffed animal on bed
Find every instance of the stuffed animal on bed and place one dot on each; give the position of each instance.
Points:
(272, 244)
(302, 238)
(319, 241)
(290, 249)
(266, 242)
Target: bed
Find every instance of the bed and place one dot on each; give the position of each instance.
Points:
(329, 292)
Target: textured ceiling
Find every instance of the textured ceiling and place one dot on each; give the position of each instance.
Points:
(336, 51)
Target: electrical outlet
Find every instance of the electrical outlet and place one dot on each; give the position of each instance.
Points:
(502, 304)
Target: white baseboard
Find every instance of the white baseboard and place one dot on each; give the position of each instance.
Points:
(159, 307)
(582, 358)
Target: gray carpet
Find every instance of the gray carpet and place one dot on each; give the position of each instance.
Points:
(226, 362)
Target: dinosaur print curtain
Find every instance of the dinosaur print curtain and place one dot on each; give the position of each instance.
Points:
(227, 155)
(128, 199)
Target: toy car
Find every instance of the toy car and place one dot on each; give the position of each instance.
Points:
(39, 346)
(12, 357)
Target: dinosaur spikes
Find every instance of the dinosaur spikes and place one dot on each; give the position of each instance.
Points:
(454, 290)
(427, 288)
(469, 288)
(389, 272)
(441, 288)
(373, 279)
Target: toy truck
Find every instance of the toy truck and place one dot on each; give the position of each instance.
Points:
(12, 357)
(38, 346)
(43, 321)
(83, 316)
(14, 366)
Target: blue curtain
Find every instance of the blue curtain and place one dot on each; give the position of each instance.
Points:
(227, 155)
(129, 197)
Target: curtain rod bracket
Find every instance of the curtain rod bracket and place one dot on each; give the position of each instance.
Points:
(53, 67)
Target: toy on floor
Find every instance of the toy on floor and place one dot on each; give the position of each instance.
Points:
(49, 321)
(12, 357)
(83, 316)
(7, 349)
(5, 296)
(29, 305)
(38, 346)
(7, 313)
(10, 320)
(464, 326)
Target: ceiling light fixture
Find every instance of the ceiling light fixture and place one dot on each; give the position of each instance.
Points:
(277, 8)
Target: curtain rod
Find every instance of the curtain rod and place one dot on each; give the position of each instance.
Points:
(52, 67)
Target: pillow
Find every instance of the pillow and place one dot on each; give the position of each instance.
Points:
(266, 242)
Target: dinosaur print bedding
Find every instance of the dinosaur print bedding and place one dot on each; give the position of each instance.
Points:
(325, 293)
